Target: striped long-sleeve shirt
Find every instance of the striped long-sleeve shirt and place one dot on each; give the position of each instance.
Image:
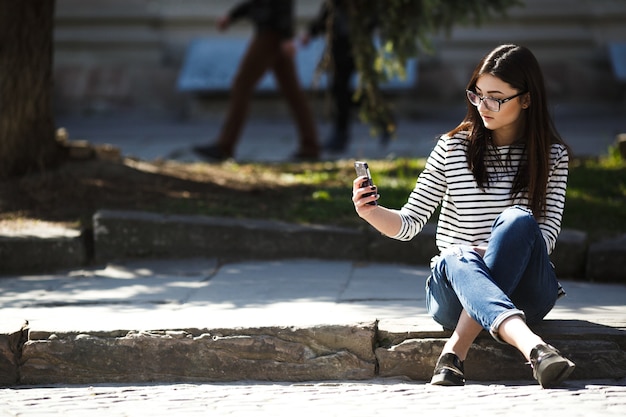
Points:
(467, 211)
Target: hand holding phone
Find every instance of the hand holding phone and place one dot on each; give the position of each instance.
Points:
(362, 170)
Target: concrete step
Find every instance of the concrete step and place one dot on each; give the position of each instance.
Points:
(123, 235)
(38, 246)
(331, 352)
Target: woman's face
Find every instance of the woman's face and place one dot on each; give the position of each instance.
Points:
(505, 124)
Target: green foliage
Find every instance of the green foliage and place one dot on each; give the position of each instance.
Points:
(404, 28)
(596, 196)
(614, 158)
(319, 193)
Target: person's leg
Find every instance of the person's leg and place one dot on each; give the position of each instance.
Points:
(529, 279)
(450, 369)
(287, 78)
(462, 280)
(549, 366)
(464, 334)
(516, 264)
(515, 332)
(519, 263)
(259, 57)
(341, 89)
(446, 309)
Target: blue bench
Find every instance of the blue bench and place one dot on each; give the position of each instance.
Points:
(210, 65)
(617, 53)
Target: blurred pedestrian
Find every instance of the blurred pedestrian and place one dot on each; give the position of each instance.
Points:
(341, 72)
(500, 177)
(271, 48)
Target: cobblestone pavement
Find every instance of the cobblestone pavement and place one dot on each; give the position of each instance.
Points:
(347, 398)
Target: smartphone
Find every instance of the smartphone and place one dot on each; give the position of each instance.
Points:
(362, 169)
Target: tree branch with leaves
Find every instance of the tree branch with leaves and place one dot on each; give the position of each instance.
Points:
(404, 29)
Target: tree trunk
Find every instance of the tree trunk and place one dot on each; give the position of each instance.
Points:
(27, 138)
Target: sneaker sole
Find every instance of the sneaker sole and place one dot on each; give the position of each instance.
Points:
(447, 380)
(555, 373)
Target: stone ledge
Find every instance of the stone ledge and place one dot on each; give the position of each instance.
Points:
(11, 342)
(122, 234)
(490, 361)
(270, 354)
(570, 254)
(40, 247)
(119, 235)
(606, 261)
(598, 351)
(355, 352)
(417, 251)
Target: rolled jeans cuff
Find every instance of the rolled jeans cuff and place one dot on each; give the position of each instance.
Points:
(495, 326)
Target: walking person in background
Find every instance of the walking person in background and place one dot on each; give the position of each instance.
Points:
(341, 72)
(271, 48)
(500, 177)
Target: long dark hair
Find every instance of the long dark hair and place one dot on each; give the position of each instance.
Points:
(518, 67)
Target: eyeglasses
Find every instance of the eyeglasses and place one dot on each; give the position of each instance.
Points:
(491, 103)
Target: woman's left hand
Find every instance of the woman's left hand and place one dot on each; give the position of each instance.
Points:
(480, 250)
(360, 200)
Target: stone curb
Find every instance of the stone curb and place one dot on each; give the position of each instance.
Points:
(349, 352)
(42, 248)
(119, 235)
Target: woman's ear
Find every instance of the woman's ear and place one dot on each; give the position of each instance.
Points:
(526, 101)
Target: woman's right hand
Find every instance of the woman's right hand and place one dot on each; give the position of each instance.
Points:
(360, 200)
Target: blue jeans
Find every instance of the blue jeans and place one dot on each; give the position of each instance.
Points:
(515, 277)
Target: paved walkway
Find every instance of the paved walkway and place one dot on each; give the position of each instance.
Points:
(174, 294)
(343, 398)
(589, 130)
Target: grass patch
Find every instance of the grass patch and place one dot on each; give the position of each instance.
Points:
(309, 193)
(596, 197)
(596, 194)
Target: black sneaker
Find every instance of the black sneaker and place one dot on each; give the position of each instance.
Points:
(211, 153)
(549, 367)
(449, 371)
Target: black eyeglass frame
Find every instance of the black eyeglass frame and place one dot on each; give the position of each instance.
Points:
(500, 101)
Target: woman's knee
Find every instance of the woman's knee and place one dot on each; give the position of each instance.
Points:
(444, 309)
(441, 300)
(517, 213)
(456, 258)
(516, 219)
